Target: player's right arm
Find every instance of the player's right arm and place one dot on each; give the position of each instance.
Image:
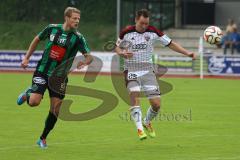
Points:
(30, 51)
(120, 50)
(178, 48)
(44, 34)
(166, 41)
(123, 53)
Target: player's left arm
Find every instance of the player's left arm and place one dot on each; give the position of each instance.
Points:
(84, 49)
(166, 41)
(178, 48)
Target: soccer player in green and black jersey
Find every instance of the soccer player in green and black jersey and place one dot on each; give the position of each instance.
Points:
(63, 43)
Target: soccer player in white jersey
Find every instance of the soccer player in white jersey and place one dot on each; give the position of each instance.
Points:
(135, 44)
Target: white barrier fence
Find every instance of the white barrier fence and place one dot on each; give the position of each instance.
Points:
(180, 65)
(11, 61)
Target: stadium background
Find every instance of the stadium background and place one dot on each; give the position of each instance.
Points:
(199, 118)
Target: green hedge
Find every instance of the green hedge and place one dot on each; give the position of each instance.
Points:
(52, 10)
(18, 35)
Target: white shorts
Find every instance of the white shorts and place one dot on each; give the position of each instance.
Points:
(142, 81)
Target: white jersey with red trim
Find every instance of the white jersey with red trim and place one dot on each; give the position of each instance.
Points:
(141, 45)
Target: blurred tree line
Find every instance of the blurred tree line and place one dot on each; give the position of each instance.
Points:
(103, 11)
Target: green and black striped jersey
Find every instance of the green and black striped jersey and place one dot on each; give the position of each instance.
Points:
(61, 48)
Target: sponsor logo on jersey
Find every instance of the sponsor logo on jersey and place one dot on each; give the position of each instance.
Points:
(125, 44)
(139, 46)
(39, 80)
(147, 38)
(61, 40)
(52, 37)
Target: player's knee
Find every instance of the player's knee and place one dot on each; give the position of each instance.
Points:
(34, 100)
(55, 111)
(155, 103)
(33, 103)
(156, 107)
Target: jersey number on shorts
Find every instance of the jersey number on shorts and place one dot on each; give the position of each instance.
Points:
(132, 76)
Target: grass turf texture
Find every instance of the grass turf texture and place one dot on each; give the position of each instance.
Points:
(212, 133)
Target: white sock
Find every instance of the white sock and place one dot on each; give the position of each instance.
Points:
(150, 115)
(136, 115)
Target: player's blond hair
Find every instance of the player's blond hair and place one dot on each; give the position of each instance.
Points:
(69, 10)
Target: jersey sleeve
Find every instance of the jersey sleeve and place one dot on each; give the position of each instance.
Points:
(164, 40)
(123, 33)
(118, 42)
(83, 45)
(161, 37)
(44, 34)
(120, 38)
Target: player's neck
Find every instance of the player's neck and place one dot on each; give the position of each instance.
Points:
(66, 27)
(139, 29)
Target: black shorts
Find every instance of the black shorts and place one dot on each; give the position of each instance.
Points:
(56, 85)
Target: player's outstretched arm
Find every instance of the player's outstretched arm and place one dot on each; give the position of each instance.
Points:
(30, 51)
(123, 53)
(178, 48)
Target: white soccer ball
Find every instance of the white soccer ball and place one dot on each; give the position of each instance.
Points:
(213, 35)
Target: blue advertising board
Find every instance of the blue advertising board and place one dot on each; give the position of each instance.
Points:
(11, 60)
(223, 65)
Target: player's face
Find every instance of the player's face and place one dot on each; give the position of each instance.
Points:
(142, 23)
(73, 21)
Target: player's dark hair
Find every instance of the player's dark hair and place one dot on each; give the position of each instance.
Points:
(69, 10)
(143, 12)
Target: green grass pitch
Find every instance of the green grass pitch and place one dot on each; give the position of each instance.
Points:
(207, 126)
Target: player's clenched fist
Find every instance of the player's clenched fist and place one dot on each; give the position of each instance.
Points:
(24, 63)
(126, 54)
